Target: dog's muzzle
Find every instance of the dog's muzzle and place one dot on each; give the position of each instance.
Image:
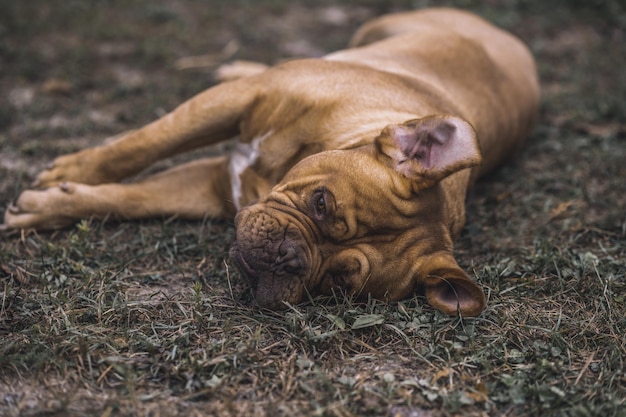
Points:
(272, 253)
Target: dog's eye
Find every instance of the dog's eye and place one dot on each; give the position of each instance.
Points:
(320, 205)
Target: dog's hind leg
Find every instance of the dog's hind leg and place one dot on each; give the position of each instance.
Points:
(193, 190)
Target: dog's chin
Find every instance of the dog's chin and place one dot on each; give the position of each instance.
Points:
(265, 298)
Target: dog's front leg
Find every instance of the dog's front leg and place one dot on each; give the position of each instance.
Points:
(207, 118)
(193, 190)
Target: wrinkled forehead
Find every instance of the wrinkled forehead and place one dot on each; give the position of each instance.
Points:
(343, 168)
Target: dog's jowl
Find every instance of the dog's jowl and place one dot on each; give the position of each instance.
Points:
(350, 172)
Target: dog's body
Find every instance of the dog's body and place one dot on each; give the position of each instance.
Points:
(350, 172)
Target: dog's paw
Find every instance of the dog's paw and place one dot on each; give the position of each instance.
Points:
(79, 167)
(51, 208)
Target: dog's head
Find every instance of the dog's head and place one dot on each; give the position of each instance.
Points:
(371, 220)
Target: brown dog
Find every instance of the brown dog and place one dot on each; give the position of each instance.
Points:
(350, 172)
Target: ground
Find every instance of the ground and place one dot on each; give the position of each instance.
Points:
(150, 319)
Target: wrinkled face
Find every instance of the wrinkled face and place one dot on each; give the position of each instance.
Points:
(335, 221)
(350, 221)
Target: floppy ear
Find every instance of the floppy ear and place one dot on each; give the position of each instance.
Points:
(430, 148)
(450, 290)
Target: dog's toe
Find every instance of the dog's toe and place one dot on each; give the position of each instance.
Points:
(66, 187)
(14, 209)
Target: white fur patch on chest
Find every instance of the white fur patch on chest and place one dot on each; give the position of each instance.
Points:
(241, 158)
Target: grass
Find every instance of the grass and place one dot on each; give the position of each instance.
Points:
(150, 319)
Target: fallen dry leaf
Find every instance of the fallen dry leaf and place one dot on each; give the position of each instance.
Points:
(57, 86)
(562, 211)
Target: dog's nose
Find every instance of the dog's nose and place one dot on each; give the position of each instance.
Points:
(288, 259)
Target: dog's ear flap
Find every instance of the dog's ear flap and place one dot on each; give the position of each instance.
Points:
(450, 290)
(430, 148)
